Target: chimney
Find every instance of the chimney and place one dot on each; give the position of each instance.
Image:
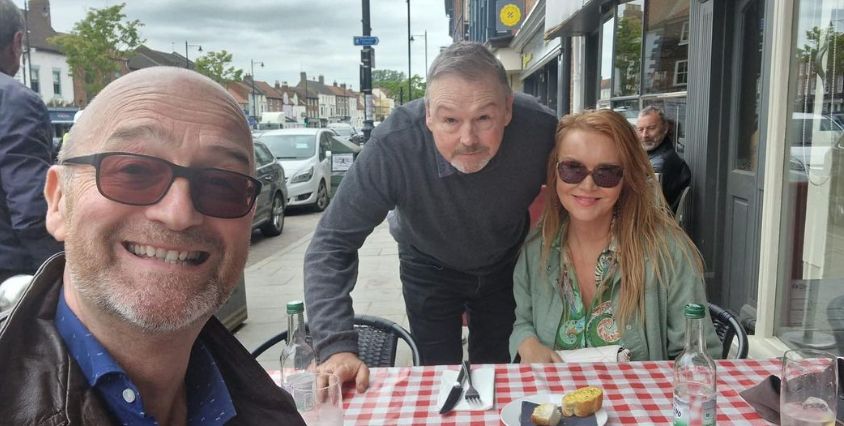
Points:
(321, 79)
(343, 86)
(276, 85)
(335, 84)
(303, 76)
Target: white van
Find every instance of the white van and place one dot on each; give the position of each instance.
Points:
(305, 154)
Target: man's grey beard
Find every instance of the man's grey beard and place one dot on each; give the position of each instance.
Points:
(121, 305)
(651, 145)
(463, 169)
(95, 282)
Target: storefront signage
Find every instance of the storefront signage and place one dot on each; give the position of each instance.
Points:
(526, 58)
(510, 14)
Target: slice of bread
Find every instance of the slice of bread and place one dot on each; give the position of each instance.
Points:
(583, 402)
(545, 415)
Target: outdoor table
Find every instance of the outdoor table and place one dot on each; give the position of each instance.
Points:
(634, 392)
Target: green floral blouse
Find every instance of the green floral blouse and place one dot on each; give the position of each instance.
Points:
(594, 326)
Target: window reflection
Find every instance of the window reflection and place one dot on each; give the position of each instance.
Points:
(666, 46)
(810, 290)
(628, 49)
(675, 113)
(749, 85)
(606, 61)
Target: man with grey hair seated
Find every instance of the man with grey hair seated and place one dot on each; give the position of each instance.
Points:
(459, 169)
(26, 152)
(154, 197)
(675, 174)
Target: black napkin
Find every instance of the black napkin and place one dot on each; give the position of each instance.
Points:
(527, 410)
(765, 397)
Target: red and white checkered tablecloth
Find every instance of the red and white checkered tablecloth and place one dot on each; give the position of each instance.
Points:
(634, 393)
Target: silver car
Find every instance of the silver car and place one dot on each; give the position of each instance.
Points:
(271, 202)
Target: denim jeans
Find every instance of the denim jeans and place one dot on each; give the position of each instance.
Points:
(437, 296)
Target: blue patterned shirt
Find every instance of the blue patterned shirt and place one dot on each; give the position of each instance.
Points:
(208, 398)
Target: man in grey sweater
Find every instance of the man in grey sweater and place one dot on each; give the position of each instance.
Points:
(460, 170)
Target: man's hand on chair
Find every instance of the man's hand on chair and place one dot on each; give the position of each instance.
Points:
(348, 367)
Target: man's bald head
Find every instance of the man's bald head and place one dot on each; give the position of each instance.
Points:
(174, 92)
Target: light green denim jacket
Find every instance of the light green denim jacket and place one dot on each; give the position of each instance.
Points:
(655, 334)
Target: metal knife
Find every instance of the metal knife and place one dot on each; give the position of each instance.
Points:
(455, 392)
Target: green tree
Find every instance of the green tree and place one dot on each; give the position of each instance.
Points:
(98, 45)
(628, 51)
(395, 82)
(216, 65)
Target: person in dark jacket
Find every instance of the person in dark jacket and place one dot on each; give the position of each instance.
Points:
(26, 152)
(652, 128)
(153, 196)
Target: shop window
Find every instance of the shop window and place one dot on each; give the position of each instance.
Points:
(666, 43)
(605, 76)
(628, 49)
(629, 108)
(810, 279)
(675, 113)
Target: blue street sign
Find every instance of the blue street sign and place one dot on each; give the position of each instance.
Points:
(365, 40)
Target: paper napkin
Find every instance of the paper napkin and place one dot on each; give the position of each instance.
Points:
(484, 380)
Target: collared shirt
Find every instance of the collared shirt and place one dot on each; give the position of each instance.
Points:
(208, 398)
(588, 326)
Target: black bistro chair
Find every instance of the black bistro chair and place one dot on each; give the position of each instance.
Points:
(728, 327)
(377, 341)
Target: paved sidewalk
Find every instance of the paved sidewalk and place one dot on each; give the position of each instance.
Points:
(274, 281)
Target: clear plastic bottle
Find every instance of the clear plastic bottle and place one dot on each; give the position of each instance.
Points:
(694, 375)
(298, 360)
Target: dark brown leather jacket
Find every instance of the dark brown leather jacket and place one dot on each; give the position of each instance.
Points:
(40, 383)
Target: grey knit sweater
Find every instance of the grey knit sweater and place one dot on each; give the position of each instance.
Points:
(468, 222)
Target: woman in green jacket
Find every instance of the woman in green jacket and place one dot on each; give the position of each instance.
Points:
(607, 265)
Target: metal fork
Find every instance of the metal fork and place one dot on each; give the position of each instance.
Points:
(472, 396)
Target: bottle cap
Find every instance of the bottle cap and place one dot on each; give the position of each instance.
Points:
(693, 310)
(295, 307)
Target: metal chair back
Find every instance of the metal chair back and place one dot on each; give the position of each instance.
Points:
(682, 206)
(728, 327)
(377, 341)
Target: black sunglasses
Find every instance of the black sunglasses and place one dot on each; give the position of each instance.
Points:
(142, 180)
(605, 175)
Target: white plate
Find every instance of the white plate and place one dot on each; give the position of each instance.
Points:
(511, 412)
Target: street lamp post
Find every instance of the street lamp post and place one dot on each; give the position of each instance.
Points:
(187, 61)
(426, 50)
(409, 39)
(252, 63)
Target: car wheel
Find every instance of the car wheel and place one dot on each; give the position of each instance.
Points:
(322, 198)
(274, 226)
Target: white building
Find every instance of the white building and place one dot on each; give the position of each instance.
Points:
(44, 67)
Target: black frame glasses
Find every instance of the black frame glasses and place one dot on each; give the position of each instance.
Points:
(143, 180)
(604, 175)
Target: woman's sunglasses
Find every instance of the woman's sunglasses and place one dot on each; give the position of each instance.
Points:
(605, 175)
(141, 180)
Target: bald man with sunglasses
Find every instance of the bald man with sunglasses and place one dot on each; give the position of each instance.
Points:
(153, 197)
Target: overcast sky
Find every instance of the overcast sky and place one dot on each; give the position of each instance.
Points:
(288, 36)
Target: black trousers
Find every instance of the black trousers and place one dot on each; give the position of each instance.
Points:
(436, 297)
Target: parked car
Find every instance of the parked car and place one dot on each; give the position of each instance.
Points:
(812, 136)
(305, 154)
(347, 132)
(343, 153)
(271, 202)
